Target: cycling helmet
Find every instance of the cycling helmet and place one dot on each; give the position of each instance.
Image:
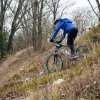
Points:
(57, 20)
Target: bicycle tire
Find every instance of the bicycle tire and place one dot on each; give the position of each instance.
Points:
(56, 65)
(82, 51)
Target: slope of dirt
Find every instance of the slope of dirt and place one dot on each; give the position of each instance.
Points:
(17, 62)
(74, 78)
(83, 82)
(13, 64)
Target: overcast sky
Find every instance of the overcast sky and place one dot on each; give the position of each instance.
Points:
(78, 4)
(84, 3)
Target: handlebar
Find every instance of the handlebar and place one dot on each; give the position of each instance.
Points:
(59, 44)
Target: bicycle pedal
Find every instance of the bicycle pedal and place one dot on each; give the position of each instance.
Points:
(74, 58)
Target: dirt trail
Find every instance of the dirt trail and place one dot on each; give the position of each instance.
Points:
(17, 62)
(13, 64)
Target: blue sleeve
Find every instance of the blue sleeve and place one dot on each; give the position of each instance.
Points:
(57, 29)
(63, 36)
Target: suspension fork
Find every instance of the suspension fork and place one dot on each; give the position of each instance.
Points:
(55, 57)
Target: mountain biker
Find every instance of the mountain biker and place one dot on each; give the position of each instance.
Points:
(68, 28)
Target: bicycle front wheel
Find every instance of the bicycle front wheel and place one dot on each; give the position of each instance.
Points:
(54, 63)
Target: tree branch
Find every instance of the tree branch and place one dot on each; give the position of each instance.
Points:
(93, 8)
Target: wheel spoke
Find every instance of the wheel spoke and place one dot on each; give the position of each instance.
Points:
(54, 63)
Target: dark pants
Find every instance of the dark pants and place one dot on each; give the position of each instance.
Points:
(70, 40)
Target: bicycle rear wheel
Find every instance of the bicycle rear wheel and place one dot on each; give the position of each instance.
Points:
(54, 63)
(82, 51)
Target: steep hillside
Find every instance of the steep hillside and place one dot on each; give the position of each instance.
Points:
(20, 80)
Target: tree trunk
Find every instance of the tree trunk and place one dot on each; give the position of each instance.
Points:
(10, 39)
(98, 15)
(34, 32)
(39, 38)
(54, 18)
(40, 25)
(98, 3)
(1, 29)
(1, 43)
(14, 24)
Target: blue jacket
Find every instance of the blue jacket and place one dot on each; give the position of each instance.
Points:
(66, 25)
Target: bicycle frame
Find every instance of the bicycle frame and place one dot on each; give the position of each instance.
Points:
(63, 51)
(55, 62)
(66, 53)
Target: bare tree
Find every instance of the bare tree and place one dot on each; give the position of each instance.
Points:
(2, 14)
(34, 33)
(98, 3)
(37, 11)
(82, 18)
(27, 30)
(4, 6)
(40, 14)
(16, 21)
(31, 26)
(55, 5)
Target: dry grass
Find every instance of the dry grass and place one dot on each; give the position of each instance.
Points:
(81, 81)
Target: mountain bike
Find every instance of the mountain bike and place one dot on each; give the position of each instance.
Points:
(55, 62)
